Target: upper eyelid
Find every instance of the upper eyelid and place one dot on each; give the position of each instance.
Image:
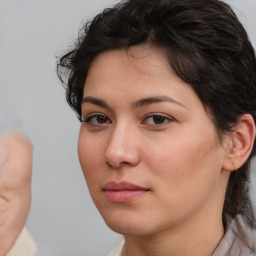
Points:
(159, 114)
(91, 114)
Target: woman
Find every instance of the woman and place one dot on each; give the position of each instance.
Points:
(165, 91)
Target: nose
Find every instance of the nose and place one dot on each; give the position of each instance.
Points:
(122, 148)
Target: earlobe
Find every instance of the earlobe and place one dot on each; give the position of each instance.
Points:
(240, 143)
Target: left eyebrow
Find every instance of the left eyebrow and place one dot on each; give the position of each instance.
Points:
(155, 99)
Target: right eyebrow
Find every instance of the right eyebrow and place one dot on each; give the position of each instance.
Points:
(95, 101)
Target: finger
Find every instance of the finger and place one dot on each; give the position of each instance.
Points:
(16, 162)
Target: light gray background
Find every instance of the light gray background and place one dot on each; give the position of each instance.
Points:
(63, 219)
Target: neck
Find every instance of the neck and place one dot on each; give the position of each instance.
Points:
(199, 237)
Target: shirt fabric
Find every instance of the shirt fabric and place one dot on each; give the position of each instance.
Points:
(230, 245)
(24, 245)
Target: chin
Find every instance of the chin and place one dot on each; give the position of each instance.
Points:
(127, 229)
(128, 225)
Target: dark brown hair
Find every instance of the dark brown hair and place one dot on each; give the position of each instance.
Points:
(206, 46)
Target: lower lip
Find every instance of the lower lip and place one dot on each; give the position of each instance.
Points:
(123, 196)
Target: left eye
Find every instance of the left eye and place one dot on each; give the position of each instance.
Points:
(157, 120)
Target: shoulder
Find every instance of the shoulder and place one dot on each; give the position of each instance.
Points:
(239, 239)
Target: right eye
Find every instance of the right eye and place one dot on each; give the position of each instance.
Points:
(97, 119)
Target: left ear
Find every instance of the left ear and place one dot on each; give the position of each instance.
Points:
(240, 143)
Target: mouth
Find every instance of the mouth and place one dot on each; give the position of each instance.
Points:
(123, 192)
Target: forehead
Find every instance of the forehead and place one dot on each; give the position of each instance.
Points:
(136, 55)
(142, 62)
(123, 76)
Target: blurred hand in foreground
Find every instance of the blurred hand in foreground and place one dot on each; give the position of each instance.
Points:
(15, 187)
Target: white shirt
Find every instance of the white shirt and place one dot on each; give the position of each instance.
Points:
(24, 245)
(229, 245)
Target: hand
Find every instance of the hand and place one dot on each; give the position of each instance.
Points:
(15, 189)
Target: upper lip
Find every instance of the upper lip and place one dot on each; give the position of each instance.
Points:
(119, 186)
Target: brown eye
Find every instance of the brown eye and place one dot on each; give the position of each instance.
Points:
(101, 119)
(97, 120)
(157, 119)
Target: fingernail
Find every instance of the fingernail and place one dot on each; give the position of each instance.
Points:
(3, 156)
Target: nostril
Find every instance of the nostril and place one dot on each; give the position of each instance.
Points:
(116, 164)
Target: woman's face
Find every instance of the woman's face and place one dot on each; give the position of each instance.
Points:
(149, 151)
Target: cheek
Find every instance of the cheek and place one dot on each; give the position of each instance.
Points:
(185, 175)
(89, 155)
(187, 162)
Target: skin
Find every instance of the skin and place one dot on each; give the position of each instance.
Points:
(176, 156)
(15, 190)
